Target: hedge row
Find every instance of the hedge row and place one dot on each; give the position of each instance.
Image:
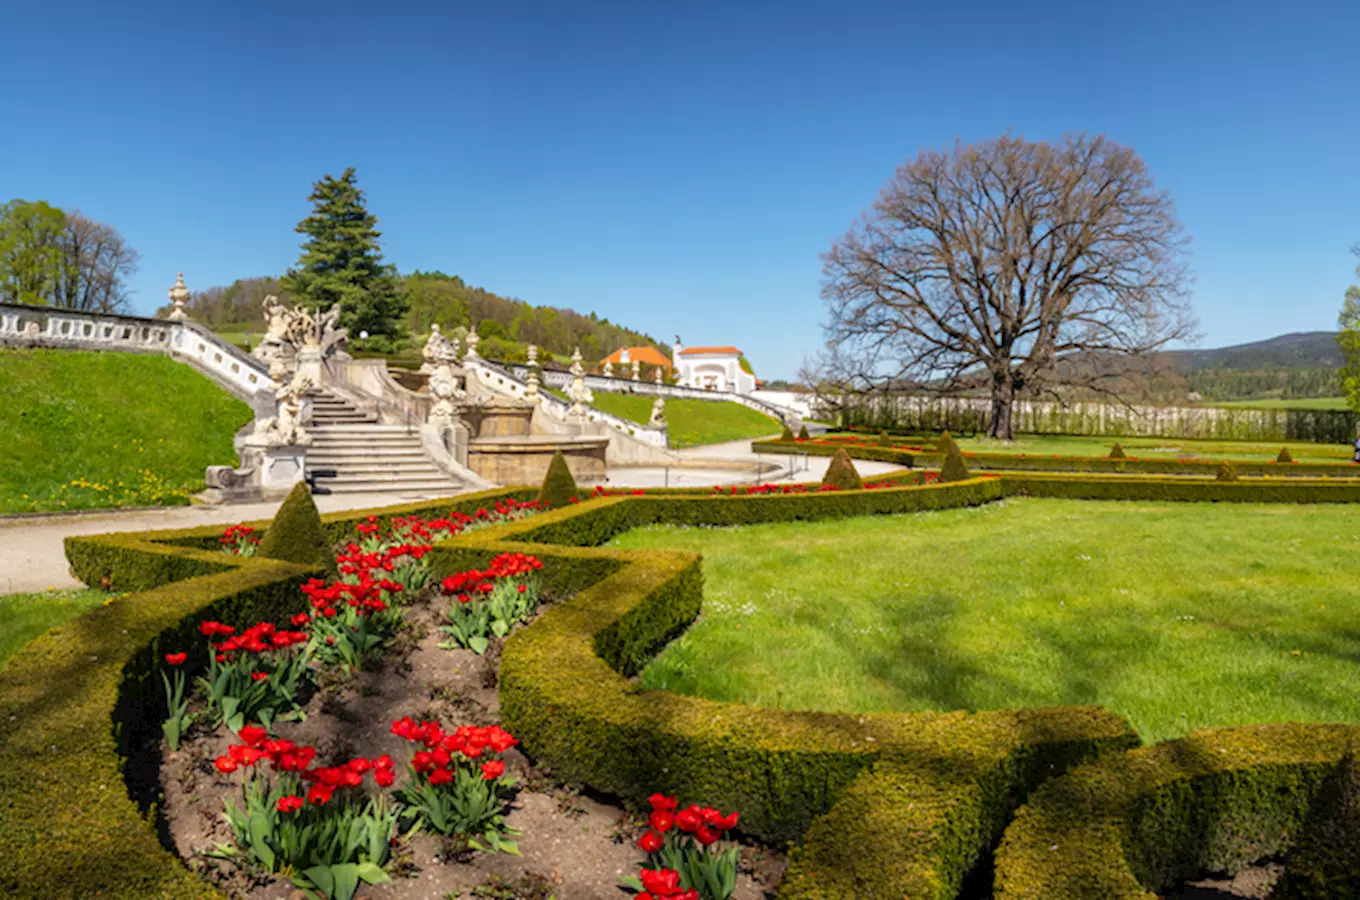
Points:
(1006, 462)
(1180, 488)
(72, 701)
(1130, 826)
(565, 691)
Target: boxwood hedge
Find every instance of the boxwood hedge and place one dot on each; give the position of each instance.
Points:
(1131, 825)
(887, 805)
(1008, 462)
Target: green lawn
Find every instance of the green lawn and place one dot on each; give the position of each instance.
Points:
(693, 422)
(1148, 448)
(1287, 403)
(1177, 616)
(88, 429)
(25, 616)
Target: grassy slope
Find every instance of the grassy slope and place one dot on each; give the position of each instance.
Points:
(1148, 448)
(693, 422)
(25, 616)
(87, 429)
(1177, 616)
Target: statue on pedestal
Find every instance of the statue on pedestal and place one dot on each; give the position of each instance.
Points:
(531, 391)
(658, 419)
(577, 392)
(637, 369)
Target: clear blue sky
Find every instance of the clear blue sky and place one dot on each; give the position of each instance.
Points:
(675, 166)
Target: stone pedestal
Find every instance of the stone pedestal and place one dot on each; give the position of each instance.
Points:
(309, 364)
(266, 473)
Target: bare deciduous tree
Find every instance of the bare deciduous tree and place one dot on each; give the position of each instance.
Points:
(96, 266)
(1016, 266)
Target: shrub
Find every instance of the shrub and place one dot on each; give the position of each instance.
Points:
(295, 535)
(1226, 471)
(1146, 487)
(803, 433)
(884, 440)
(1117, 452)
(559, 488)
(1285, 456)
(841, 473)
(953, 468)
(786, 434)
(1326, 862)
(945, 444)
(1140, 822)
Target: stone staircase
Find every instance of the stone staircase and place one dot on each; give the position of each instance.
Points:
(351, 453)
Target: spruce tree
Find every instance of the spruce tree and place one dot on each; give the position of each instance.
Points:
(341, 262)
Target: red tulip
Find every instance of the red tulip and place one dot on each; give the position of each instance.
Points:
(651, 842)
(661, 820)
(492, 770)
(290, 804)
(664, 882)
(225, 764)
(176, 659)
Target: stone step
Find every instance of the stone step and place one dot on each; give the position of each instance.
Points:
(358, 428)
(378, 470)
(379, 486)
(393, 453)
(320, 441)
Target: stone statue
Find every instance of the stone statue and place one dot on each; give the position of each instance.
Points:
(289, 332)
(531, 378)
(608, 369)
(659, 375)
(577, 392)
(448, 394)
(658, 419)
(471, 344)
(430, 352)
(637, 369)
(285, 427)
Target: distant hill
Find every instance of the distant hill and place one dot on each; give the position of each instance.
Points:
(1297, 350)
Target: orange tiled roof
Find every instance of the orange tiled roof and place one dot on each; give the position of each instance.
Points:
(689, 350)
(646, 355)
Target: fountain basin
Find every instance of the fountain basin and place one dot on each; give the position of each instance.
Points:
(524, 459)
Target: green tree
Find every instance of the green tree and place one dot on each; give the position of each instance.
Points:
(1349, 342)
(341, 262)
(32, 260)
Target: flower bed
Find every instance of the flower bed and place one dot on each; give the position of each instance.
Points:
(863, 447)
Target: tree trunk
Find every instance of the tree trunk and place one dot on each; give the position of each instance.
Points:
(1003, 400)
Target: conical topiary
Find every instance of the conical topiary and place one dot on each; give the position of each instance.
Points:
(841, 473)
(559, 488)
(953, 468)
(884, 440)
(1285, 456)
(944, 444)
(295, 534)
(787, 435)
(802, 433)
(1117, 452)
(1226, 471)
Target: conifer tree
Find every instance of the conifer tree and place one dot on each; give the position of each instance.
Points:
(341, 262)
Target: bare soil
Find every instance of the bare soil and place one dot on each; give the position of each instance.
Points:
(573, 846)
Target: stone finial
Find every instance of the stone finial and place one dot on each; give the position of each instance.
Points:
(179, 295)
(608, 369)
(533, 355)
(637, 370)
(472, 338)
(659, 375)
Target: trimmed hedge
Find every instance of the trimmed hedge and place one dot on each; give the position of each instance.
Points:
(1145, 487)
(1129, 826)
(296, 535)
(841, 474)
(1005, 462)
(565, 692)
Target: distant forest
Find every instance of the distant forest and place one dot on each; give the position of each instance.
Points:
(506, 325)
(1229, 384)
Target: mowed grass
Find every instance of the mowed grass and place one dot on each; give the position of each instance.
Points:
(1176, 616)
(1334, 403)
(25, 616)
(87, 429)
(1146, 448)
(693, 423)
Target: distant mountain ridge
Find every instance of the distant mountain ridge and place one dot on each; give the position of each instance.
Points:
(1296, 350)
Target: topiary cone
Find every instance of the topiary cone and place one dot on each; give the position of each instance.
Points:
(1285, 456)
(883, 439)
(558, 486)
(296, 535)
(841, 473)
(1226, 471)
(803, 433)
(954, 467)
(1117, 452)
(945, 444)
(787, 435)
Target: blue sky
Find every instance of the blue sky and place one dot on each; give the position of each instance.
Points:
(676, 166)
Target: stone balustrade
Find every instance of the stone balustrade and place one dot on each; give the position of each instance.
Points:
(557, 378)
(50, 327)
